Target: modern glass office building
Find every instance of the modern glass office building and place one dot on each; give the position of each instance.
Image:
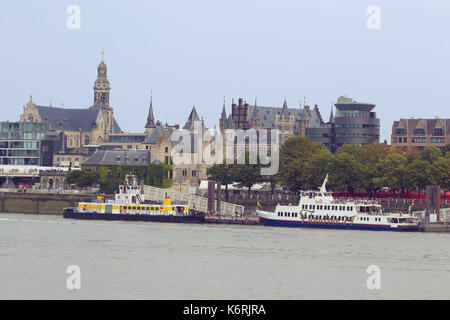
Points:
(23, 143)
(354, 123)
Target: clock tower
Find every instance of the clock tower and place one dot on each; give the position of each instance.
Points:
(101, 87)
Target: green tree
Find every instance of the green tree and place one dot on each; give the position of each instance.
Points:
(221, 173)
(294, 154)
(391, 171)
(430, 154)
(417, 174)
(316, 168)
(82, 178)
(370, 156)
(440, 172)
(246, 175)
(346, 172)
(153, 175)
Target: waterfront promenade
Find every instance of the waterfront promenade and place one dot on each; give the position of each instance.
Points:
(54, 203)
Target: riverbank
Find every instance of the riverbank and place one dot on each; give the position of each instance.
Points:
(435, 227)
(40, 203)
(53, 204)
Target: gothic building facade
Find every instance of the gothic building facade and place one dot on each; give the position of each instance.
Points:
(288, 121)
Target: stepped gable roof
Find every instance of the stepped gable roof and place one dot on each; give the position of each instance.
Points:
(119, 157)
(71, 119)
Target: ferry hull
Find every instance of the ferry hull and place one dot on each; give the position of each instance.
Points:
(344, 226)
(70, 214)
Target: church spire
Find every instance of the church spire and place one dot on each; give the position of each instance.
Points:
(331, 114)
(101, 86)
(150, 118)
(224, 112)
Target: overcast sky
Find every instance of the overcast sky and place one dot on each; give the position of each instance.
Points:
(203, 51)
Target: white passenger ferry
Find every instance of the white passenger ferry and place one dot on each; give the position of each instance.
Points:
(318, 209)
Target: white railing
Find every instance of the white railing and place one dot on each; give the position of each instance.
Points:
(194, 202)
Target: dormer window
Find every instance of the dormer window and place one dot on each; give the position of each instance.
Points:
(438, 132)
(400, 132)
(419, 132)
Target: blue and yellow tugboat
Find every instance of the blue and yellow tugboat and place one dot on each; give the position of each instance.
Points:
(130, 205)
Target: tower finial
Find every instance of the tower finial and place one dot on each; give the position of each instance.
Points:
(103, 54)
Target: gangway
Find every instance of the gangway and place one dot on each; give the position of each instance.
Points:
(194, 202)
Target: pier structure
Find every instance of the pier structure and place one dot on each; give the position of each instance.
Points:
(432, 203)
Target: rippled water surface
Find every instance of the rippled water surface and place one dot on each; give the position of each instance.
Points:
(145, 260)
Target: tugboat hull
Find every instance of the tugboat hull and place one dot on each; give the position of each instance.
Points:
(192, 218)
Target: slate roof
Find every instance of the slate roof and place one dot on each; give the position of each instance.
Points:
(71, 119)
(266, 116)
(119, 157)
(155, 135)
(230, 123)
(193, 116)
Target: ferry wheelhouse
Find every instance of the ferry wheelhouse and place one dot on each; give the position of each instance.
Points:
(130, 204)
(318, 209)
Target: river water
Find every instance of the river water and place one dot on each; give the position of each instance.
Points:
(145, 260)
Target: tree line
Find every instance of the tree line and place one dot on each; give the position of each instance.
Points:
(305, 163)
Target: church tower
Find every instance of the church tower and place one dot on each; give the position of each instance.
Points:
(101, 87)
